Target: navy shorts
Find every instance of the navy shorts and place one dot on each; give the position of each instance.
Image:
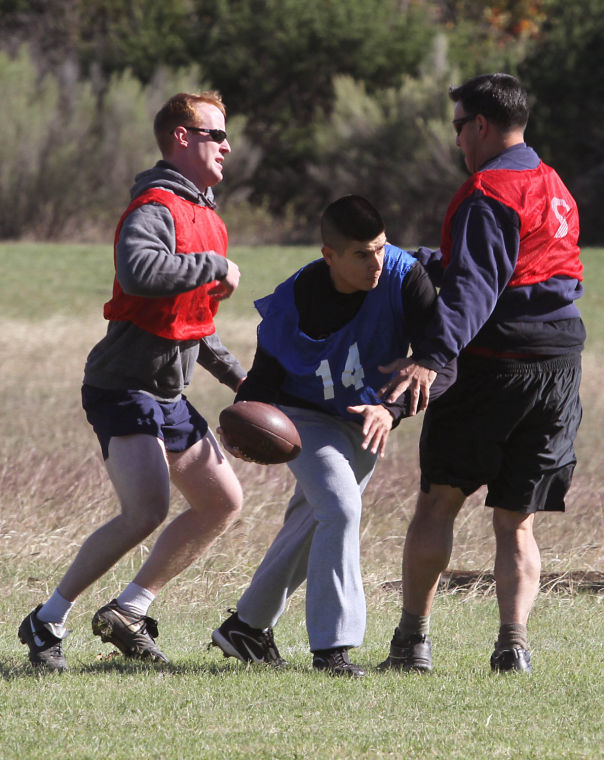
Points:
(115, 413)
(511, 428)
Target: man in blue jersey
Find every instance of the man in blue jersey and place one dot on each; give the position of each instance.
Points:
(324, 332)
(509, 276)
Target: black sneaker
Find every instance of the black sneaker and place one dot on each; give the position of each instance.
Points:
(412, 653)
(506, 660)
(45, 642)
(132, 634)
(336, 662)
(238, 639)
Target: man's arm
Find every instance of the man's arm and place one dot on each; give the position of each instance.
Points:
(486, 240)
(432, 262)
(264, 379)
(431, 379)
(215, 357)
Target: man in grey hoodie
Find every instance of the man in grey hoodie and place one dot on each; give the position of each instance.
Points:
(171, 273)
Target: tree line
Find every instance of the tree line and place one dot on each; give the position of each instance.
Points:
(324, 97)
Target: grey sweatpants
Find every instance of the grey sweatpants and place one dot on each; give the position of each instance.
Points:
(319, 540)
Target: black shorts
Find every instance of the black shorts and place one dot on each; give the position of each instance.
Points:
(511, 427)
(115, 413)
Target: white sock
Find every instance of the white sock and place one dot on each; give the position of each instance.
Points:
(136, 599)
(55, 610)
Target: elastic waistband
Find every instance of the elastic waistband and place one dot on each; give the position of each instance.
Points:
(516, 366)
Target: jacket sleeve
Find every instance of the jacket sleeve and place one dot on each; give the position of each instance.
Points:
(485, 250)
(419, 303)
(431, 260)
(263, 381)
(219, 361)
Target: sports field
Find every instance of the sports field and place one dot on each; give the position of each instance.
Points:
(54, 492)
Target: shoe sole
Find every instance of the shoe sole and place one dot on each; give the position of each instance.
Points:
(388, 664)
(104, 629)
(340, 673)
(526, 671)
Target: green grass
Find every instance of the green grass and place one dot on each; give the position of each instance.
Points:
(41, 279)
(205, 706)
(38, 280)
(54, 491)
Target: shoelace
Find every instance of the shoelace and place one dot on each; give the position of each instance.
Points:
(150, 627)
(341, 658)
(270, 648)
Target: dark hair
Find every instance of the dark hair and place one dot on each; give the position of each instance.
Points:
(350, 218)
(500, 98)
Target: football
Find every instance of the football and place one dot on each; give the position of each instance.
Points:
(260, 431)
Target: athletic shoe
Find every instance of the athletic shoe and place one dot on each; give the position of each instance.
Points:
(506, 660)
(412, 653)
(238, 639)
(45, 642)
(336, 662)
(132, 634)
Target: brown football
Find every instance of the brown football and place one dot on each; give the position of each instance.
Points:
(260, 431)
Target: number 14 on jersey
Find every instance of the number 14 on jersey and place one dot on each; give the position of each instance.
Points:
(352, 374)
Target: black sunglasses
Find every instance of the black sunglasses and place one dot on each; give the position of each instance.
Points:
(459, 123)
(217, 135)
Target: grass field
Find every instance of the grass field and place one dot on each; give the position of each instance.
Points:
(54, 492)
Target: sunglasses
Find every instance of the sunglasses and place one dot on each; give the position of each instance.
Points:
(459, 123)
(217, 135)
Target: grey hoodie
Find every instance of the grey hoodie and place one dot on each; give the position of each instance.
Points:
(148, 265)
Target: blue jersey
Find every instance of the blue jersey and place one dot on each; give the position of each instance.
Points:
(340, 370)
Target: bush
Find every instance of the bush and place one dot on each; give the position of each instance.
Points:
(397, 149)
(68, 153)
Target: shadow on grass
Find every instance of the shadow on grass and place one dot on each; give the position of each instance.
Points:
(123, 667)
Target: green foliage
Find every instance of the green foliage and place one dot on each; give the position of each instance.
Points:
(281, 65)
(396, 148)
(275, 61)
(65, 163)
(564, 73)
(49, 27)
(148, 35)
(303, 46)
(490, 36)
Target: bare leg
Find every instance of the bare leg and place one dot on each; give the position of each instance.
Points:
(139, 472)
(517, 565)
(205, 478)
(428, 546)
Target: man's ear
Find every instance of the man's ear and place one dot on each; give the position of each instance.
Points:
(328, 254)
(482, 124)
(180, 136)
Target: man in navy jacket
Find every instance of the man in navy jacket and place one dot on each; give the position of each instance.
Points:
(509, 276)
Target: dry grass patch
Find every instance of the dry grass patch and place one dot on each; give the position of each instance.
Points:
(54, 490)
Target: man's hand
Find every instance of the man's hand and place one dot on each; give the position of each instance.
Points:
(226, 287)
(409, 375)
(376, 426)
